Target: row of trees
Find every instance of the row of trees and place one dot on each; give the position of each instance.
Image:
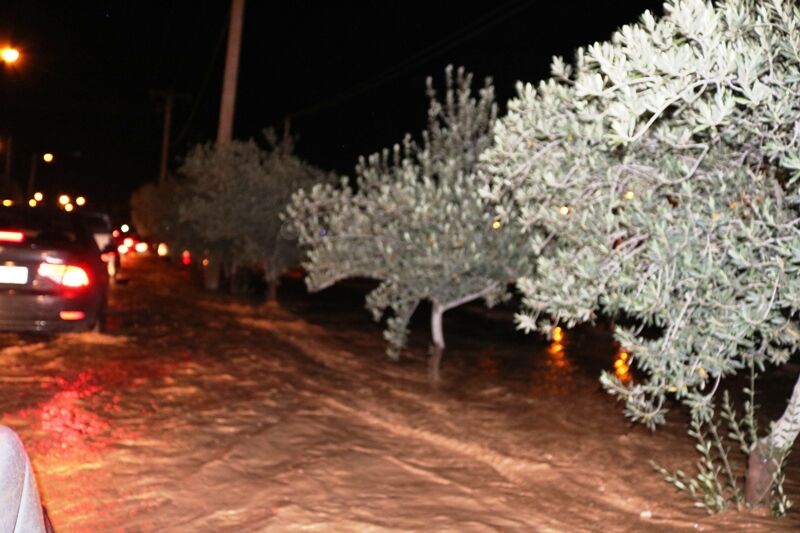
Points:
(653, 180)
(225, 206)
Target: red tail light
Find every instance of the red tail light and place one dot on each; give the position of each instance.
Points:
(66, 275)
(11, 236)
(186, 257)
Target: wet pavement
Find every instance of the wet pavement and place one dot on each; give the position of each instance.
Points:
(202, 412)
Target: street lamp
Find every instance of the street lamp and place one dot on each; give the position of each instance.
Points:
(47, 158)
(63, 199)
(80, 200)
(9, 55)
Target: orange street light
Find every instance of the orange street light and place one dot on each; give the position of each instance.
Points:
(63, 199)
(47, 158)
(38, 196)
(80, 200)
(9, 55)
(68, 208)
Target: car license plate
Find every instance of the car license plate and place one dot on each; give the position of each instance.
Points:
(14, 275)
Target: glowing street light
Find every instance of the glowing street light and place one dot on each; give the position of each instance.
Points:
(32, 202)
(38, 196)
(125, 228)
(63, 199)
(68, 208)
(48, 157)
(9, 55)
(7, 203)
(80, 200)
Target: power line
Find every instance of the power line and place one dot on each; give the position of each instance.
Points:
(481, 25)
(204, 83)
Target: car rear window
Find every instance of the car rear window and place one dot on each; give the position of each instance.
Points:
(41, 226)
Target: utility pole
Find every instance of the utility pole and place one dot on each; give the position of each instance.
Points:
(169, 98)
(228, 101)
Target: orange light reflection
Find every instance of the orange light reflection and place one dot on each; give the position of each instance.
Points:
(622, 367)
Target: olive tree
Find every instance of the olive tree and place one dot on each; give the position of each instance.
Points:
(414, 221)
(235, 194)
(655, 178)
(155, 215)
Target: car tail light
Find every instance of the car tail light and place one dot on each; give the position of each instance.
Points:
(107, 257)
(140, 247)
(72, 315)
(11, 236)
(186, 257)
(122, 249)
(65, 275)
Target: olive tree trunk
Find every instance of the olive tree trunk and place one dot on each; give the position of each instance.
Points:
(767, 453)
(437, 334)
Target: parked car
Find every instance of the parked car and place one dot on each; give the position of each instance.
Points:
(100, 226)
(52, 278)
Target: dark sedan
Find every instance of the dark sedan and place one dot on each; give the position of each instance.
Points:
(52, 278)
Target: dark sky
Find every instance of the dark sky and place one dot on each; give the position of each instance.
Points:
(351, 73)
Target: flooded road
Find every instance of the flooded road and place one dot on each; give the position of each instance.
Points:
(199, 412)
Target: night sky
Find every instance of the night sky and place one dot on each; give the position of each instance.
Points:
(352, 78)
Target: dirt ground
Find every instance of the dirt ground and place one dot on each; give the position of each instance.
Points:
(200, 412)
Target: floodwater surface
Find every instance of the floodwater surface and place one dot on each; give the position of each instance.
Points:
(200, 412)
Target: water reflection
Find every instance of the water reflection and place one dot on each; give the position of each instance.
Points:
(557, 357)
(553, 368)
(553, 373)
(75, 421)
